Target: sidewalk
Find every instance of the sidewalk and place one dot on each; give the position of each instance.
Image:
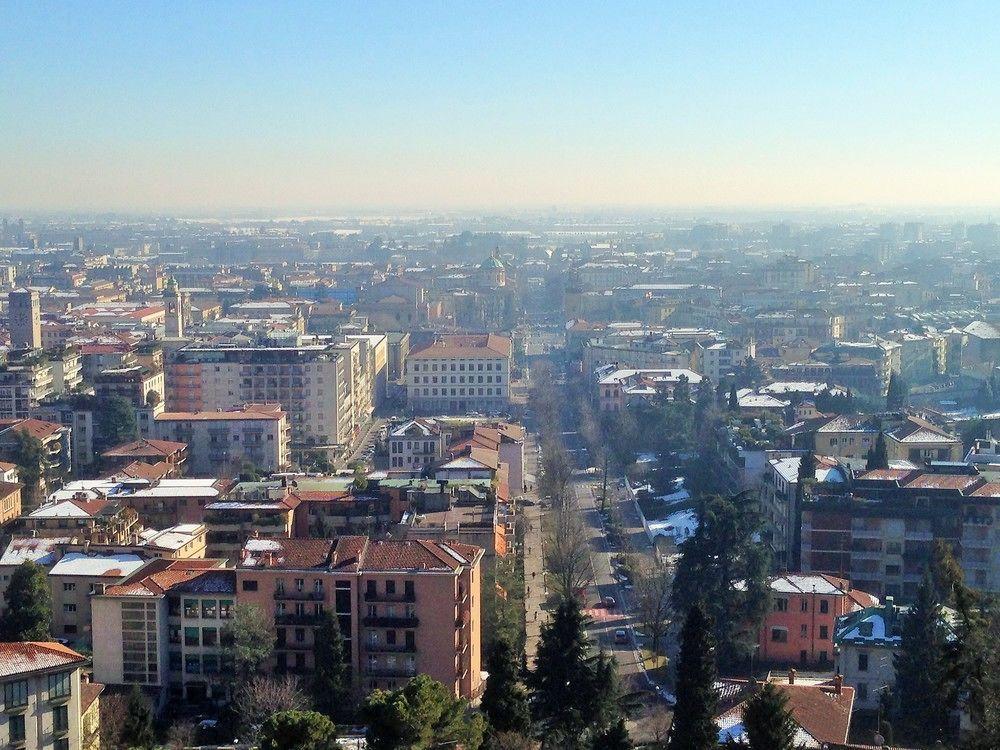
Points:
(534, 581)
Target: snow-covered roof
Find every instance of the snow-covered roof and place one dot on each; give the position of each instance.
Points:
(80, 564)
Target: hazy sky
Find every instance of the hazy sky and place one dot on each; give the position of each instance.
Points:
(212, 105)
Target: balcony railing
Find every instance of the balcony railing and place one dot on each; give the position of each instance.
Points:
(294, 619)
(375, 596)
(315, 596)
(390, 648)
(384, 621)
(391, 671)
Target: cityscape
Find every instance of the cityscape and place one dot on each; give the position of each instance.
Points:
(320, 432)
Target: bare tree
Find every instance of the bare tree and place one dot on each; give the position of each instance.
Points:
(567, 550)
(653, 586)
(260, 696)
(114, 709)
(181, 735)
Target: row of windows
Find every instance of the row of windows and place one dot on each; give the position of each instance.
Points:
(461, 392)
(781, 605)
(208, 609)
(459, 379)
(780, 635)
(397, 461)
(460, 367)
(60, 723)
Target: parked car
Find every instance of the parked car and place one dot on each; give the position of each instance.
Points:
(621, 635)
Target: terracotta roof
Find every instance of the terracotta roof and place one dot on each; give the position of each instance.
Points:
(464, 345)
(321, 496)
(5, 467)
(886, 475)
(417, 554)
(142, 470)
(33, 656)
(35, 427)
(8, 488)
(929, 481)
(161, 575)
(287, 553)
(145, 447)
(819, 710)
(89, 692)
(990, 489)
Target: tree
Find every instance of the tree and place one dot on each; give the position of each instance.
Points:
(723, 566)
(331, 682)
(116, 421)
(360, 483)
(920, 670)
(878, 455)
(181, 735)
(505, 701)
(986, 396)
(897, 394)
(260, 696)
(247, 641)
(30, 457)
(29, 609)
(108, 729)
(768, 721)
(694, 715)
(734, 399)
(298, 730)
(615, 738)
(567, 550)
(574, 696)
(137, 730)
(420, 715)
(653, 588)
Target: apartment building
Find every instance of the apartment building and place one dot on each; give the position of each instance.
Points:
(416, 444)
(406, 607)
(67, 371)
(222, 441)
(23, 383)
(73, 581)
(460, 374)
(616, 388)
(312, 384)
(140, 386)
(800, 627)
(232, 522)
(717, 359)
(881, 531)
(55, 440)
(101, 521)
(866, 643)
(375, 349)
(46, 697)
(162, 627)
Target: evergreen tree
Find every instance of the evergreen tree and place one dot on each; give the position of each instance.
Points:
(616, 738)
(682, 390)
(29, 609)
(298, 730)
(878, 455)
(897, 394)
(116, 421)
(734, 399)
(505, 701)
(694, 715)
(920, 671)
(724, 566)
(331, 680)
(247, 641)
(768, 721)
(574, 696)
(30, 456)
(137, 729)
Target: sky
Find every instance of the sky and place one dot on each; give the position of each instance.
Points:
(212, 106)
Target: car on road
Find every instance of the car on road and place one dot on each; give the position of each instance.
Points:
(621, 635)
(609, 602)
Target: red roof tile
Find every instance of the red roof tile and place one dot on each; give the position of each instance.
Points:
(32, 656)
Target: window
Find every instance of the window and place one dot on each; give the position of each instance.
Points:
(779, 635)
(191, 637)
(210, 663)
(408, 589)
(225, 609)
(69, 587)
(862, 662)
(824, 606)
(781, 605)
(192, 664)
(249, 585)
(15, 726)
(824, 633)
(804, 605)
(59, 684)
(209, 608)
(15, 694)
(803, 631)
(209, 636)
(191, 608)
(60, 718)
(862, 691)
(390, 587)
(822, 657)
(300, 635)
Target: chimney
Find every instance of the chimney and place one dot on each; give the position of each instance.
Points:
(84, 677)
(791, 676)
(838, 684)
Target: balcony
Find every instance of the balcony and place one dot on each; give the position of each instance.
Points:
(293, 646)
(309, 596)
(374, 596)
(384, 621)
(390, 648)
(293, 619)
(391, 671)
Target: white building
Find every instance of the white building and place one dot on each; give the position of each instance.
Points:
(415, 444)
(460, 374)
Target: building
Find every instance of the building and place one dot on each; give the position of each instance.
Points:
(55, 440)
(460, 374)
(917, 440)
(800, 627)
(616, 388)
(24, 312)
(867, 641)
(140, 386)
(311, 383)
(73, 581)
(45, 697)
(222, 441)
(101, 521)
(24, 382)
(173, 315)
(232, 522)
(405, 607)
(880, 531)
(416, 444)
(162, 628)
(10, 502)
(173, 454)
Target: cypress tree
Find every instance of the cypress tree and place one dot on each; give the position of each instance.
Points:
(616, 738)
(878, 455)
(768, 722)
(505, 701)
(694, 715)
(137, 729)
(734, 399)
(29, 614)
(561, 671)
(920, 670)
(331, 681)
(897, 393)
